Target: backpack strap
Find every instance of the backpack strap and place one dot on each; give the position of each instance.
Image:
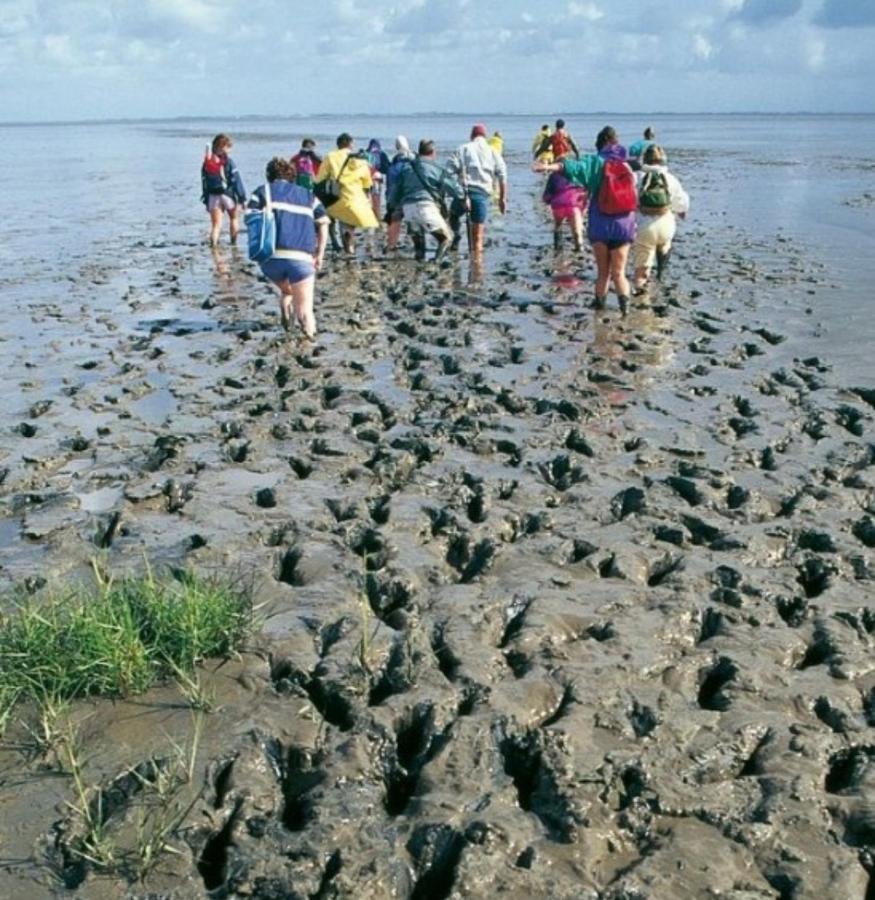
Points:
(418, 173)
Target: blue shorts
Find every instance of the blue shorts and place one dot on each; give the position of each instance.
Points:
(291, 270)
(480, 201)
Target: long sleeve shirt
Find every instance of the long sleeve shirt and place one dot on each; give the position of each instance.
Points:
(478, 166)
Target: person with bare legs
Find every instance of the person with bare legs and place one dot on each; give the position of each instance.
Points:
(222, 188)
(613, 200)
(479, 169)
(301, 235)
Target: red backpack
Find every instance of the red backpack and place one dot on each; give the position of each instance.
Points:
(560, 144)
(618, 193)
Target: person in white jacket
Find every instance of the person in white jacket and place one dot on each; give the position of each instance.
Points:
(661, 197)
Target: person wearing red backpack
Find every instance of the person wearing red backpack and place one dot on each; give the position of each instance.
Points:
(560, 143)
(613, 200)
(222, 188)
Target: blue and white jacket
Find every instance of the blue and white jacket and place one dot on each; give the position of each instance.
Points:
(296, 212)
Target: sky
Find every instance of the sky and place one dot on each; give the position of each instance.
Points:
(97, 59)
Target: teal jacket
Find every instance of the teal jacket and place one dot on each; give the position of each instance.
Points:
(585, 172)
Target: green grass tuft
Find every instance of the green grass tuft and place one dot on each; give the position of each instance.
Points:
(119, 640)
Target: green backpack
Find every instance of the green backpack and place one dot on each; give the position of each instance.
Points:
(654, 196)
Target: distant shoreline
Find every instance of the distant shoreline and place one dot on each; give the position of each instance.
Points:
(285, 117)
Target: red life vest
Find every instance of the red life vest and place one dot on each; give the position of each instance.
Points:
(214, 174)
(561, 144)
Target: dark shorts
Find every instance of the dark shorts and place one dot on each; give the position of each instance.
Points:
(291, 270)
(393, 214)
(480, 201)
(613, 245)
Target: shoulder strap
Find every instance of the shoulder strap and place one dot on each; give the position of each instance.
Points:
(417, 171)
(348, 158)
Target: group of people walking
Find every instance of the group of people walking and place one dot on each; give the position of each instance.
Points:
(628, 198)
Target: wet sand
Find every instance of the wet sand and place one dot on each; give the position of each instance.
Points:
(558, 604)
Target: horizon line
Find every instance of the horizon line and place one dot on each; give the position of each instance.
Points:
(260, 117)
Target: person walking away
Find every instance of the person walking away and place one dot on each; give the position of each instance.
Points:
(301, 235)
(306, 163)
(421, 189)
(222, 188)
(613, 200)
(378, 160)
(395, 214)
(538, 154)
(660, 198)
(479, 170)
(497, 142)
(353, 174)
(636, 150)
(567, 202)
(560, 143)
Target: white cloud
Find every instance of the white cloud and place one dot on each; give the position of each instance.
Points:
(588, 11)
(815, 54)
(702, 47)
(201, 15)
(59, 49)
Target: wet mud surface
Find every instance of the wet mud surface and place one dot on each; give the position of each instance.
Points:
(558, 603)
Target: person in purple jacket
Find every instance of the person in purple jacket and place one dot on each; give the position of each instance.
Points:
(567, 202)
(301, 234)
(611, 234)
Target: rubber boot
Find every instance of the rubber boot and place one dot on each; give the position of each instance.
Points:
(624, 304)
(661, 263)
(332, 234)
(557, 240)
(418, 246)
(599, 302)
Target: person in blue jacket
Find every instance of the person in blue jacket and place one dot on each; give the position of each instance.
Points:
(301, 235)
(222, 188)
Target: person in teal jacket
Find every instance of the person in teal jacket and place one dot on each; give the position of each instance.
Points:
(611, 235)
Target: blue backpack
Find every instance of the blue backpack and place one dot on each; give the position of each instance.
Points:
(261, 230)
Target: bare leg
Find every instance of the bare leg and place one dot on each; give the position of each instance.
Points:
(603, 271)
(618, 259)
(393, 233)
(346, 238)
(215, 225)
(577, 229)
(285, 304)
(234, 216)
(302, 296)
(478, 230)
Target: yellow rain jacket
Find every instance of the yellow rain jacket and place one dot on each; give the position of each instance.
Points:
(547, 155)
(497, 143)
(354, 206)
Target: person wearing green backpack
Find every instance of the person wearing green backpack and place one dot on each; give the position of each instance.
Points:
(660, 198)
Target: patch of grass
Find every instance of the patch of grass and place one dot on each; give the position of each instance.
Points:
(118, 640)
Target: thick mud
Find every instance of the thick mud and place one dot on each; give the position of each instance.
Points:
(558, 604)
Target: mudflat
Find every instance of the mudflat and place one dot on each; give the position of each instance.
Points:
(557, 603)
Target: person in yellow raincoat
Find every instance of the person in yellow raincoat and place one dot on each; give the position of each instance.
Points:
(547, 155)
(353, 209)
(497, 143)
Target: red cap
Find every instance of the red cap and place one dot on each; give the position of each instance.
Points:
(479, 130)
